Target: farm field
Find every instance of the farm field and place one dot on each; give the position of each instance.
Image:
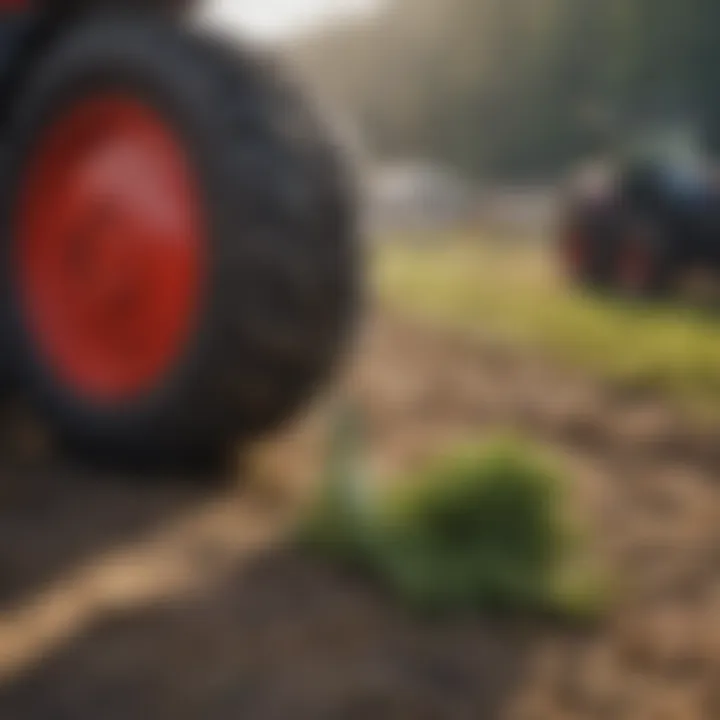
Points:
(502, 503)
(121, 599)
(512, 293)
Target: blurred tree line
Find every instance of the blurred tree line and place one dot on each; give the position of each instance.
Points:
(519, 88)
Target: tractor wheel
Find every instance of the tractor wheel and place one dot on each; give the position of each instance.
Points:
(643, 268)
(586, 244)
(180, 255)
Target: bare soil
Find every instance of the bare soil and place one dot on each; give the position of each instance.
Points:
(169, 601)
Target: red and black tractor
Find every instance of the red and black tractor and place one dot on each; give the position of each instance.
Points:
(635, 228)
(178, 247)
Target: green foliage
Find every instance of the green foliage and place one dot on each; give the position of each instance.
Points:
(481, 528)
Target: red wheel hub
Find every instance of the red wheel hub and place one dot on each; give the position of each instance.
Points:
(576, 251)
(110, 247)
(635, 265)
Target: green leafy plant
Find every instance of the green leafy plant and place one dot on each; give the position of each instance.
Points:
(483, 527)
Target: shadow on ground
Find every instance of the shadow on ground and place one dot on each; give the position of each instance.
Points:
(52, 519)
(274, 639)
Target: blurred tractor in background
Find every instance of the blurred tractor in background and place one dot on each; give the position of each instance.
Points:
(178, 235)
(635, 226)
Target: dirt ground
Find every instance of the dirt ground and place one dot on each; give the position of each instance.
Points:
(167, 601)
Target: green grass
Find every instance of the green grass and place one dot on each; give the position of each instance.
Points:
(511, 291)
(482, 528)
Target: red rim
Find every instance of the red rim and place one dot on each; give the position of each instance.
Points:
(110, 247)
(575, 252)
(635, 266)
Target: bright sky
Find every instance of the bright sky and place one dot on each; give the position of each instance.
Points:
(275, 18)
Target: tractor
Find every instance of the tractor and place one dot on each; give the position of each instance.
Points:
(636, 227)
(179, 256)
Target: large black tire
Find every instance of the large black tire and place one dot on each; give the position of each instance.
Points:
(280, 288)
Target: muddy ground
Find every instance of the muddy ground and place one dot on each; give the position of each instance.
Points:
(168, 601)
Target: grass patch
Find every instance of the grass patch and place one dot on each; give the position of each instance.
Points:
(481, 528)
(512, 291)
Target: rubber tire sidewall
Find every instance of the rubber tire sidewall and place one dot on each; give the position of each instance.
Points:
(155, 64)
